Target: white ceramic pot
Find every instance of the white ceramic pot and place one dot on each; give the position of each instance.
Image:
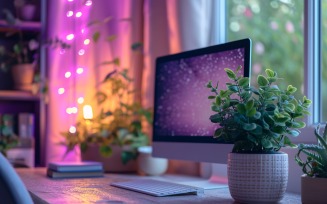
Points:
(313, 190)
(113, 163)
(257, 178)
(148, 165)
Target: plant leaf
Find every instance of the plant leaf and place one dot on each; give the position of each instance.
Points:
(96, 36)
(249, 126)
(230, 73)
(262, 81)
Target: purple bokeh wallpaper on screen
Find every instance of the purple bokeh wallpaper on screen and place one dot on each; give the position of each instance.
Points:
(182, 104)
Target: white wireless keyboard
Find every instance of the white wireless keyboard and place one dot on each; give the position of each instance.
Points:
(157, 188)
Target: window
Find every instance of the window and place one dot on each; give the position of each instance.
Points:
(324, 59)
(286, 37)
(276, 29)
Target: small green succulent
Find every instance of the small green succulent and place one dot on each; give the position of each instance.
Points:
(315, 164)
(256, 120)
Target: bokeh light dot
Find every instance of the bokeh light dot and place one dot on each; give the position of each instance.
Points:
(61, 91)
(68, 74)
(88, 3)
(80, 100)
(68, 110)
(74, 110)
(81, 52)
(78, 14)
(70, 13)
(70, 36)
(86, 41)
(79, 70)
(72, 129)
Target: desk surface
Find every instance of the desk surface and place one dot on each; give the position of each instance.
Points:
(98, 190)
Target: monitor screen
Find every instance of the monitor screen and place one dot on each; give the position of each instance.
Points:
(181, 126)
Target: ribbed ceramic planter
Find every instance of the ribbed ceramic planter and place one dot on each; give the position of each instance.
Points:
(257, 178)
(313, 190)
(113, 163)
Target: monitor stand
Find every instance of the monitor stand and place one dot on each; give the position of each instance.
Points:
(218, 177)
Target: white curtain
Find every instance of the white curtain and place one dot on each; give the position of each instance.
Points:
(164, 27)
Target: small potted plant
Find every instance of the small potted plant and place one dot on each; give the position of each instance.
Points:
(115, 133)
(314, 167)
(22, 58)
(258, 121)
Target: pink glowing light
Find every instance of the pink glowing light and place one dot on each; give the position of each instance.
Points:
(82, 30)
(70, 0)
(61, 91)
(74, 110)
(88, 3)
(86, 41)
(80, 100)
(79, 70)
(70, 36)
(81, 52)
(78, 14)
(70, 13)
(69, 110)
(68, 74)
(72, 129)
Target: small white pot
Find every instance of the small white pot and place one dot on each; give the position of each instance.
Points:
(148, 165)
(257, 178)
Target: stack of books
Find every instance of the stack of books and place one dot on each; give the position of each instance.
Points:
(83, 169)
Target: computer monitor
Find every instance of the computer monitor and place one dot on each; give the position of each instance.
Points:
(181, 127)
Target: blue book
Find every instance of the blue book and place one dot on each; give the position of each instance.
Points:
(81, 174)
(76, 166)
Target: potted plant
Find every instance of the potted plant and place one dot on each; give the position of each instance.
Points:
(115, 133)
(258, 121)
(8, 139)
(22, 58)
(314, 167)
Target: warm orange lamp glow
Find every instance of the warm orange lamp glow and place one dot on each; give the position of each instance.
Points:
(87, 112)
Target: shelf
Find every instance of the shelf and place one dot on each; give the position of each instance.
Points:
(18, 95)
(21, 25)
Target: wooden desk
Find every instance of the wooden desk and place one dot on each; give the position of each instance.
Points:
(98, 190)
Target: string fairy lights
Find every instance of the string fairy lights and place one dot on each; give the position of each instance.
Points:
(75, 33)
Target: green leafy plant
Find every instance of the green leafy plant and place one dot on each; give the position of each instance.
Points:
(8, 139)
(256, 120)
(315, 164)
(119, 121)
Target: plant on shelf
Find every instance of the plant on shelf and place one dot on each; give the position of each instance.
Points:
(315, 164)
(119, 122)
(258, 121)
(22, 58)
(8, 139)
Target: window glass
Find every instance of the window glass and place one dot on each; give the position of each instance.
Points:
(324, 59)
(276, 30)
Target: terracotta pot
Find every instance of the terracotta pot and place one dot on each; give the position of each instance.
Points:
(27, 12)
(257, 178)
(313, 190)
(23, 76)
(113, 163)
